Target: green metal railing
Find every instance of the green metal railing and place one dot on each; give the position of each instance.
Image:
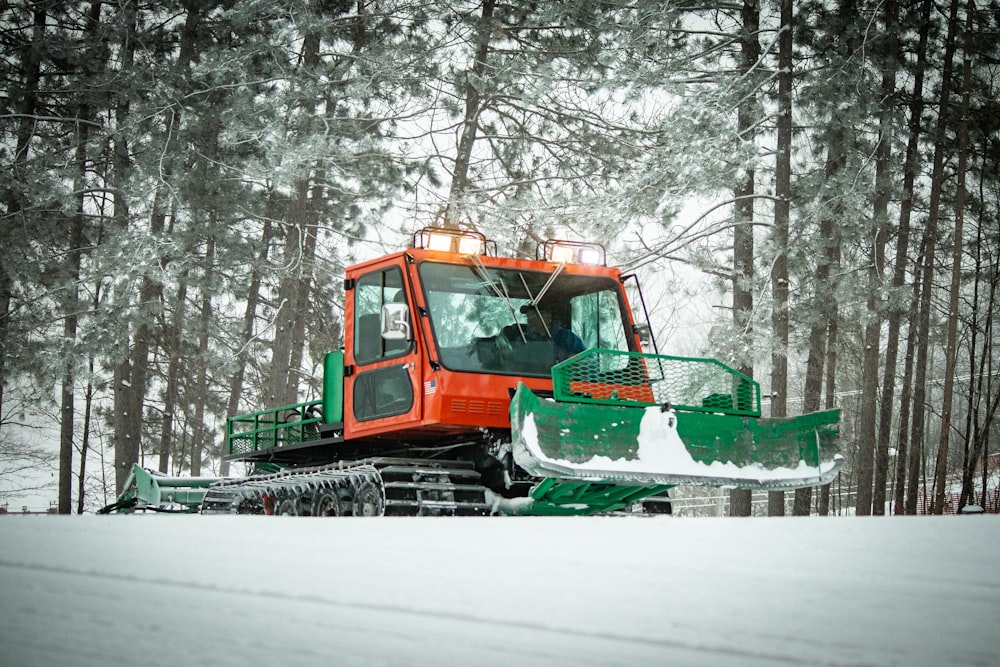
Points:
(610, 377)
(276, 427)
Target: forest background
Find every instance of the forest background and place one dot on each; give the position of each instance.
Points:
(185, 180)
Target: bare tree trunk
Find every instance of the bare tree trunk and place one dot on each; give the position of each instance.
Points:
(470, 123)
(980, 417)
(87, 412)
(823, 508)
(866, 504)
(249, 317)
(172, 339)
(883, 194)
(71, 302)
(132, 373)
(293, 292)
(302, 233)
(310, 229)
(66, 428)
(127, 410)
(85, 442)
(981, 382)
(201, 383)
(743, 245)
(5, 297)
(909, 388)
(740, 502)
(131, 385)
(826, 311)
(951, 346)
(801, 506)
(896, 312)
(172, 346)
(824, 306)
(902, 433)
(937, 188)
(26, 104)
(779, 270)
(292, 296)
(930, 235)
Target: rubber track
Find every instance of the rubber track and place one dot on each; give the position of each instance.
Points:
(415, 487)
(297, 492)
(392, 486)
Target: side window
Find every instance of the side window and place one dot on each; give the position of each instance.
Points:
(596, 318)
(382, 392)
(372, 291)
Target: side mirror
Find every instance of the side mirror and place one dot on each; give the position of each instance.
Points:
(395, 321)
(644, 333)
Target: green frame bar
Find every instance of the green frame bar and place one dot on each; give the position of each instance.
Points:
(148, 489)
(270, 429)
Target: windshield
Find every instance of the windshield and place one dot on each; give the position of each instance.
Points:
(519, 322)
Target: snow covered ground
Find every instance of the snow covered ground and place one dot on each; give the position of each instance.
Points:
(220, 590)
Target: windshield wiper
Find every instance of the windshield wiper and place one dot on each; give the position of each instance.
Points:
(537, 298)
(484, 274)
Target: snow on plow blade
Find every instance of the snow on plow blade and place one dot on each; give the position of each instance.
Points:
(589, 433)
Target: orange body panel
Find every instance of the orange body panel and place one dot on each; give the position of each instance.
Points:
(444, 402)
(641, 393)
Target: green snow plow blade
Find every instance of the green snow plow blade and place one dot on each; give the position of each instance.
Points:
(151, 490)
(607, 423)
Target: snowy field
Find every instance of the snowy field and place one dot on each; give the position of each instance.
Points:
(219, 590)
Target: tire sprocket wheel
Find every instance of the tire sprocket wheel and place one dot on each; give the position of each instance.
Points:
(327, 504)
(249, 506)
(368, 500)
(288, 507)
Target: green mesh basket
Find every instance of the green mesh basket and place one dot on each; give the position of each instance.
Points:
(631, 378)
(241, 445)
(269, 429)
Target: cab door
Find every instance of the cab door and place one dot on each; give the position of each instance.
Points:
(381, 387)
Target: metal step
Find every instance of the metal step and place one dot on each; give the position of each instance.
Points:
(440, 506)
(433, 486)
(419, 470)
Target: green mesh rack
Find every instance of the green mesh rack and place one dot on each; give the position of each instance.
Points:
(272, 428)
(611, 377)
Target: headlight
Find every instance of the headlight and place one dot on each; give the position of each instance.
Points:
(452, 240)
(572, 252)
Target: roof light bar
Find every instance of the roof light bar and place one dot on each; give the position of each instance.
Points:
(572, 252)
(464, 242)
